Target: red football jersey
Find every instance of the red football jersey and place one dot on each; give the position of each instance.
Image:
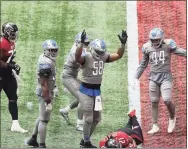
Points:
(121, 137)
(6, 49)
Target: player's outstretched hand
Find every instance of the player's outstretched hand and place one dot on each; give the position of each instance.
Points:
(83, 36)
(123, 37)
(135, 84)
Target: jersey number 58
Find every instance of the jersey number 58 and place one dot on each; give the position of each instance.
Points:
(98, 68)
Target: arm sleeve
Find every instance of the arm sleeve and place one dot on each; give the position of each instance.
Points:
(108, 58)
(143, 64)
(45, 70)
(179, 51)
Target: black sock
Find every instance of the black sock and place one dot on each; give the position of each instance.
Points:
(13, 109)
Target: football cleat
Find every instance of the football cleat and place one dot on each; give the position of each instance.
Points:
(86, 144)
(16, 127)
(155, 129)
(171, 125)
(132, 113)
(32, 142)
(65, 115)
(42, 145)
(79, 128)
(82, 143)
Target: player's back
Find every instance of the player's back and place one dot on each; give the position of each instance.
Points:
(71, 67)
(46, 63)
(92, 70)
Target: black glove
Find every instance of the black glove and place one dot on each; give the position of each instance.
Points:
(48, 101)
(83, 36)
(14, 66)
(123, 37)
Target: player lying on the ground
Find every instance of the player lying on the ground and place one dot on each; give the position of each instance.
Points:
(92, 71)
(46, 72)
(9, 71)
(157, 51)
(72, 83)
(128, 137)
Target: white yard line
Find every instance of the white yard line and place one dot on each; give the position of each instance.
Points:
(133, 57)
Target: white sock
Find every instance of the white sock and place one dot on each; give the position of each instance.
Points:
(80, 122)
(67, 108)
(15, 122)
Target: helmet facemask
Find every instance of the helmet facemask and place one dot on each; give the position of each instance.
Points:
(98, 48)
(50, 49)
(13, 36)
(10, 32)
(112, 143)
(156, 37)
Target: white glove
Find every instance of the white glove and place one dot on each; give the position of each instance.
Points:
(136, 83)
(56, 91)
(48, 107)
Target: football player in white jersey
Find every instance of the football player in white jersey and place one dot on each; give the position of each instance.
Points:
(71, 81)
(92, 71)
(157, 52)
(46, 77)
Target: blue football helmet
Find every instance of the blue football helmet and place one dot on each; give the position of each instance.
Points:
(97, 48)
(50, 49)
(156, 37)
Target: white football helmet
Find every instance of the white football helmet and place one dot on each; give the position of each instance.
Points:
(156, 37)
(97, 48)
(50, 49)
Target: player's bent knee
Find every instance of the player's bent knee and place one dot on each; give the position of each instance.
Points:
(96, 121)
(89, 119)
(154, 100)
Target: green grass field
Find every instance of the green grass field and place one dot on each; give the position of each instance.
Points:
(61, 21)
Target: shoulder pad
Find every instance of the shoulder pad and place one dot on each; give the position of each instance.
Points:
(44, 70)
(171, 43)
(145, 47)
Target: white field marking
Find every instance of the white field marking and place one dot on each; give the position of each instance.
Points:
(133, 57)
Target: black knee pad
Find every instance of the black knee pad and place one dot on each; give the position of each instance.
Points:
(45, 121)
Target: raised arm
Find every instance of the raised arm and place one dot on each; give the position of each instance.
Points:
(115, 56)
(80, 59)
